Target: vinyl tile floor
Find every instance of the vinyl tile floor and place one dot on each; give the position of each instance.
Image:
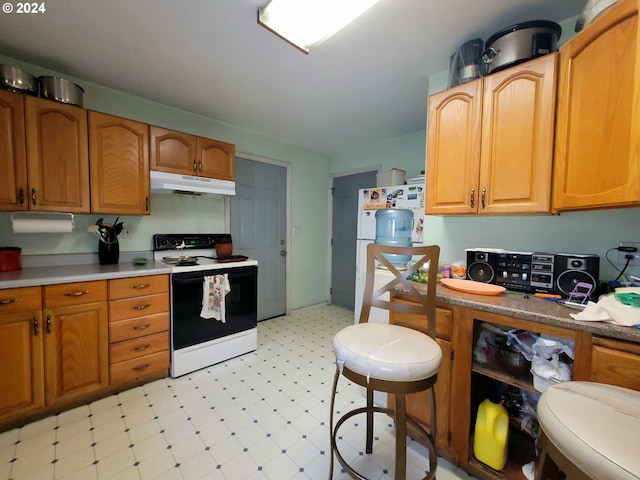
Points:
(263, 415)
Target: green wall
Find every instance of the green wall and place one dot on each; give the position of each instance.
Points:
(576, 232)
(175, 213)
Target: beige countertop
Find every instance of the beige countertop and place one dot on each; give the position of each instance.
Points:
(49, 275)
(529, 307)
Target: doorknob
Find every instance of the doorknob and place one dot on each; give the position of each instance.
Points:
(283, 253)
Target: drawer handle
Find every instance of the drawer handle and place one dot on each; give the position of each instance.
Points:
(36, 326)
(49, 324)
(142, 286)
(142, 327)
(7, 301)
(79, 293)
(141, 348)
(141, 367)
(142, 307)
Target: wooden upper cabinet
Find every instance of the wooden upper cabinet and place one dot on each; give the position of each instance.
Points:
(57, 156)
(173, 152)
(597, 161)
(216, 159)
(490, 143)
(453, 149)
(177, 152)
(517, 138)
(13, 160)
(119, 160)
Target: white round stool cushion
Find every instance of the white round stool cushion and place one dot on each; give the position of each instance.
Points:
(387, 352)
(595, 426)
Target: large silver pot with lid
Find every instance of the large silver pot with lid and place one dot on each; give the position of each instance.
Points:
(519, 43)
(60, 90)
(17, 80)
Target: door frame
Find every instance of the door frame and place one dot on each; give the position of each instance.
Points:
(287, 259)
(371, 168)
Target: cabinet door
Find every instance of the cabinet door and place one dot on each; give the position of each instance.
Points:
(517, 138)
(173, 152)
(13, 161)
(119, 159)
(57, 156)
(76, 351)
(216, 159)
(21, 371)
(597, 161)
(453, 150)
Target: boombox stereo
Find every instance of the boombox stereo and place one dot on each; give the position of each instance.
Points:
(533, 272)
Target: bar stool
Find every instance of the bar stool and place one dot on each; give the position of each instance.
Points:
(390, 358)
(589, 431)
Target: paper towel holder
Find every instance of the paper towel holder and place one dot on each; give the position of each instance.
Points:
(42, 222)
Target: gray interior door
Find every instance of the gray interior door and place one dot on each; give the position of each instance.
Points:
(258, 228)
(344, 231)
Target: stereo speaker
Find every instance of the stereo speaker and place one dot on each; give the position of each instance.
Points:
(571, 269)
(481, 266)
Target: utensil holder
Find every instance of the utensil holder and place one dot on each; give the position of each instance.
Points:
(108, 253)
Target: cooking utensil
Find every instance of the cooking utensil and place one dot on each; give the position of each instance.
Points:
(18, 80)
(10, 259)
(60, 90)
(519, 43)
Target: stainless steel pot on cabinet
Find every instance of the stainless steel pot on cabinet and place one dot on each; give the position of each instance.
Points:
(519, 43)
(60, 90)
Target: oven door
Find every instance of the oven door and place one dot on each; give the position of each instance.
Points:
(189, 328)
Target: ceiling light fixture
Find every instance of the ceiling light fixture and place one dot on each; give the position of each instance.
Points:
(307, 23)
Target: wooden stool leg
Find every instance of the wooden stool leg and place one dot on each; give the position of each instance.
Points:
(401, 437)
(333, 401)
(546, 468)
(369, 414)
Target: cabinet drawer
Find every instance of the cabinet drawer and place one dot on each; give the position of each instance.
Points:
(616, 363)
(139, 347)
(444, 322)
(132, 370)
(15, 300)
(138, 307)
(69, 294)
(136, 286)
(138, 327)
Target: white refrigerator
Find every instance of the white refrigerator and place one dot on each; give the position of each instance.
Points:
(370, 200)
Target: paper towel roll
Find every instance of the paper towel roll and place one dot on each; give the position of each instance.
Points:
(29, 225)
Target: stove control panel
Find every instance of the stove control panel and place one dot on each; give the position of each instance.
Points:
(179, 241)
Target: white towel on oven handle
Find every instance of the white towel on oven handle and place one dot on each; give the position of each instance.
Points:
(215, 288)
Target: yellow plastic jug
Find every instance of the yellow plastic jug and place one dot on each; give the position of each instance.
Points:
(491, 434)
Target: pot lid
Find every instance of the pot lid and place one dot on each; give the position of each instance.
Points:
(557, 29)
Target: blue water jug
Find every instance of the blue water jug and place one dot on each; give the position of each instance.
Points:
(394, 228)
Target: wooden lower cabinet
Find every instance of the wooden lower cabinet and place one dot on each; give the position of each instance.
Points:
(418, 404)
(138, 328)
(21, 362)
(615, 362)
(60, 349)
(75, 345)
(479, 375)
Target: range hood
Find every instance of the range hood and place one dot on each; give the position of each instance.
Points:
(163, 182)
